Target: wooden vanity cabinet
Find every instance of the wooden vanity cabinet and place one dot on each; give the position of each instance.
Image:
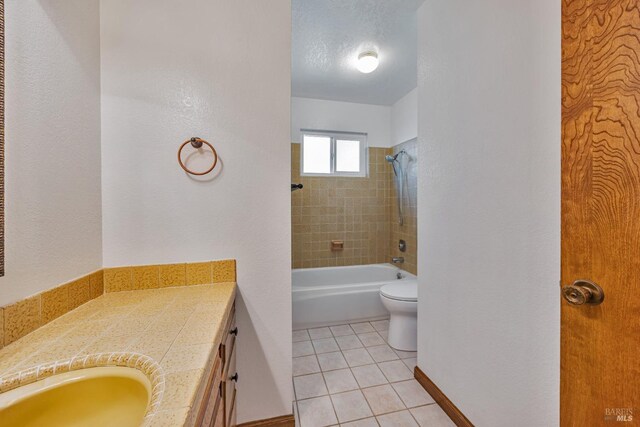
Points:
(217, 408)
(230, 375)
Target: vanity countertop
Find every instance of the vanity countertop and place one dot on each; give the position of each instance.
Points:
(172, 334)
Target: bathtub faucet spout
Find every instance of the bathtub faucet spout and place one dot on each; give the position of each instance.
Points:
(397, 260)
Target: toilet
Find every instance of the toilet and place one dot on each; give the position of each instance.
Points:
(401, 300)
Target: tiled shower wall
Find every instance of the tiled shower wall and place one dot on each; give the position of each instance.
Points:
(354, 210)
(362, 212)
(409, 230)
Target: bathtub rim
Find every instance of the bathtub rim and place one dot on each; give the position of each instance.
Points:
(406, 276)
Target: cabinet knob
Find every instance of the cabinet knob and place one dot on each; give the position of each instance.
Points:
(234, 377)
(234, 331)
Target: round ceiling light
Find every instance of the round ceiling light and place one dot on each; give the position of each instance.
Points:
(367, 62)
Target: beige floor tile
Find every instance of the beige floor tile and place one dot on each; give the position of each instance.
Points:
(316, 412)
(332, 361)
(360, 328)
(383, 399)
(307, 386)
(367, 422)
(431, 416)
(348, 342)
(305, 365)
(318, 333)
(357, 357)
(384, 335)
(397, 419)
(325, 345)
(412, 393)
(411, 363)
(341, 330)
(382, 353)
(371, 339)
(381, 325)
(302, 348)
(340, 381)
(405, 354)
(350, 406)
(302, 335)
(369, 376)
(395, 371)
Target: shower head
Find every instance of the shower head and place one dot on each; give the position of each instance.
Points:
(392, 159)
(389, 158)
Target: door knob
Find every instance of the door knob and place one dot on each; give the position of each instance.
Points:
(583, 292)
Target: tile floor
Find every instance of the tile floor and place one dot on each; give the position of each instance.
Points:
(348, 375)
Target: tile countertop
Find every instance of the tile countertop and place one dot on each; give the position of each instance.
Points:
(178, 328)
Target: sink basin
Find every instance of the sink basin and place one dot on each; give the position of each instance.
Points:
(103, 396)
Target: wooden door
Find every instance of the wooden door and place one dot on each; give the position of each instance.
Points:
(600, 344)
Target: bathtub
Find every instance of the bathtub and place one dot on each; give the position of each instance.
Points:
(338, 295)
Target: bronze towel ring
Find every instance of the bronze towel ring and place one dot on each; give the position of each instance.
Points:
(197, 143)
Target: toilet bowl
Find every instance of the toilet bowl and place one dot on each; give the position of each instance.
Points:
(401, 300)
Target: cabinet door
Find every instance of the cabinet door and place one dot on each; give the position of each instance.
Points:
(219, 418)
(230, 376)
(230, 389)
(212, 399)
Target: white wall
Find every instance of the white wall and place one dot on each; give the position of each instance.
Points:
(489, 207)
(53, 222)
(319, 114)
(404, 118)
(219, 70)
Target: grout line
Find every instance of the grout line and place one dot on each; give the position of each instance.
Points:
(296, 412)
(401, 410)
(364, 397)
(350, 369)
(330, 399)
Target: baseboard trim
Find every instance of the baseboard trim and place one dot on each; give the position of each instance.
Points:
(441, 399)
(283, 421)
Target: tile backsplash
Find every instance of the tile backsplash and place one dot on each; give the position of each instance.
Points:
(354, 210)
(361, 212)
(25, 316)
(168, 275)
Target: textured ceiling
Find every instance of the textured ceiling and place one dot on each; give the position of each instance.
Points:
(328, 35)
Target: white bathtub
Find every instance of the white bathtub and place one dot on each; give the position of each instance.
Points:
(337, 295)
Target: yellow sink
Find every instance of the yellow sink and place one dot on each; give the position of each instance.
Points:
(105, 396)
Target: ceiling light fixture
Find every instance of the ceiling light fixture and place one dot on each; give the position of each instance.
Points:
(367, 62)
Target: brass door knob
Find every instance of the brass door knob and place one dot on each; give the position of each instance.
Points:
(583, 292)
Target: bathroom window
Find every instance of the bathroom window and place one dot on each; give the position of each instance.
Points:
(334, 153)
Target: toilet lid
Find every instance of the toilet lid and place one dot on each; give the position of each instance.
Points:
(404, 291)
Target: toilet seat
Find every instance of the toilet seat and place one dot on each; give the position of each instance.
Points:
(404, 291)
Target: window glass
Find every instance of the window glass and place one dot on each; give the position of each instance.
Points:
(347, 155)
(334, 154)
(316, 154)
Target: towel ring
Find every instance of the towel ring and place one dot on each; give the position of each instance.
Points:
(197, 143)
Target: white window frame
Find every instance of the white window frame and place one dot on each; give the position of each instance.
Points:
(334, 136)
